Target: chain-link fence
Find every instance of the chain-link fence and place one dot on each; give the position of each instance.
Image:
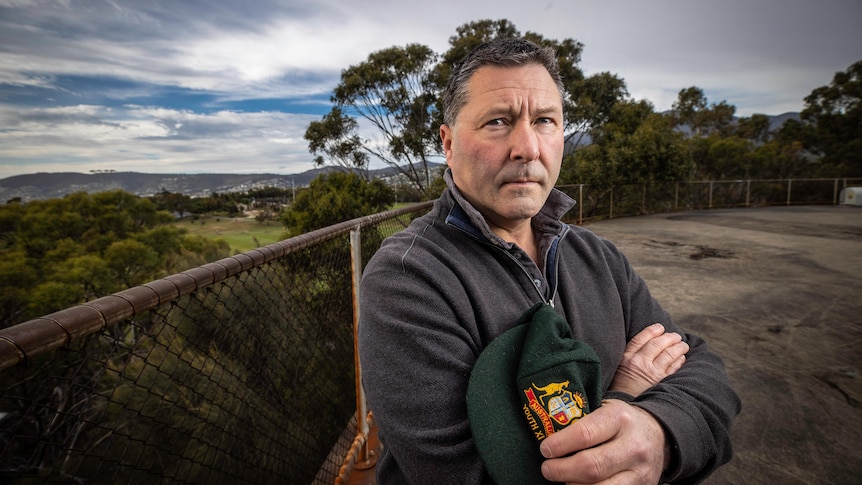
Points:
(239, 371)
(597, 202)
(242, 370)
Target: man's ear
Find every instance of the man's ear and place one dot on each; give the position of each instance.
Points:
(446, 139)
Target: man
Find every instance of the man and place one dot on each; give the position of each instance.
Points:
(435, 295)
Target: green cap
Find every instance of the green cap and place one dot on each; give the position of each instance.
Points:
(528, 383)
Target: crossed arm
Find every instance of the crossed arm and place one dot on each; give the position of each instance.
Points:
(650, 356)
(620, 443)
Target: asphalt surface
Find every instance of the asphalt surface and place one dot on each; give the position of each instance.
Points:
(777, 292)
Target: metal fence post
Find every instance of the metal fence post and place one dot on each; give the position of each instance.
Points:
(710, 194)
(789, 185)
(611, 210)
(362, 427)
(581, 204)
(643, 199)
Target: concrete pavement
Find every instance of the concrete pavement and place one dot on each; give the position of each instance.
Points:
(777, 292)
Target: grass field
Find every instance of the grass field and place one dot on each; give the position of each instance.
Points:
(241, 234)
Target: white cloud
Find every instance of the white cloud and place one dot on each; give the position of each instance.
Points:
(83, 138)
(763, 57)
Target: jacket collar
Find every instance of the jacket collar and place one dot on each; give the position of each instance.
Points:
(467, 218)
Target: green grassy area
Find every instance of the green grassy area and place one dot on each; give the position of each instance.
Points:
(241, 234)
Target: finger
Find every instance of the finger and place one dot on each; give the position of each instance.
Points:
(670, 355)
(675, 365)
(591, 467)
(587, 466)
(599, 462)
(643, 337)
(655, 346)
(633, 455)
(587, 432)
(625, 477)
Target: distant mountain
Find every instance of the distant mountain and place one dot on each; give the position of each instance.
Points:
(775, 122)
(39, 186)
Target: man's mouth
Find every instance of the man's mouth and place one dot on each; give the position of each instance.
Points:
(520, 182)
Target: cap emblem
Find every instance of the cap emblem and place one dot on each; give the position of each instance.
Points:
(553, 402)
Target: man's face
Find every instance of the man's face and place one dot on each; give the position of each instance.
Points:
(506, 146)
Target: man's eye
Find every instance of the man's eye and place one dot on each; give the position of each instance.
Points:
(544, 121)
(496, 122)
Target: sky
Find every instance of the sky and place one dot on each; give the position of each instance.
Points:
(229, 86)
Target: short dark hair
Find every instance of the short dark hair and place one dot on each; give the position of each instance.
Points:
(510, 52)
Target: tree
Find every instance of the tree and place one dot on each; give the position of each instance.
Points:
(50, 296)
(196, 251)
(592, 100)
(693, 111)
(392, 92)
(10, 220)
(728, 158)
(132, 262)
(83, 277)
(336, 197)
(17, 278)
(754, 128)
(173, 202)
(467, 37)
(634, 145)
(335, 137)
(790, 157)
(836, 113)
(686, 109)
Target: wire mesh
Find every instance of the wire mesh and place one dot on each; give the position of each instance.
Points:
(606, 202)
(246, 379)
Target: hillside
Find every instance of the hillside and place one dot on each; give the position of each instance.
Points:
(39, 186)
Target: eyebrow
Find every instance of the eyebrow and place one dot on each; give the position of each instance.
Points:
(545, 111)
(549, 110)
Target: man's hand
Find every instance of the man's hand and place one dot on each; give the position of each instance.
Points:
(615, 444)
(650, 356)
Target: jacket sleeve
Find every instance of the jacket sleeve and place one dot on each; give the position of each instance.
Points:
(416, 358)
(696, 405)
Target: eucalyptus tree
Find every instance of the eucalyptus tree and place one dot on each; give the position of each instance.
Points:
(591, 102)
(633, 145)
(754, 128)
(692, 110)
(835, 111)
(392, 93)
(333, 198)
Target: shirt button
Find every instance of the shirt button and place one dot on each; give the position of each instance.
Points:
(537, 282)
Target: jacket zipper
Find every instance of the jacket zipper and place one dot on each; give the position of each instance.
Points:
(550, 300)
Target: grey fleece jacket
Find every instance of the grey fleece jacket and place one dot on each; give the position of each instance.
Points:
(437, 293)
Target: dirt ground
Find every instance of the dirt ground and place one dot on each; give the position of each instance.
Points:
(777, 292)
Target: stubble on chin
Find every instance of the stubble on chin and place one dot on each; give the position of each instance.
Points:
(521, 203)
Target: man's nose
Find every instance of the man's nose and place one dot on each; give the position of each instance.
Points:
(524, 142)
